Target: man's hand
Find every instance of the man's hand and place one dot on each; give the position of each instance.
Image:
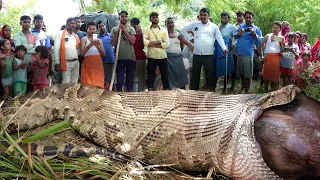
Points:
(226, 52)
(154, 43)
(121, 27)
(57, 68)
(253, 32)
(96, 43)
(240, 32)
(191, 47)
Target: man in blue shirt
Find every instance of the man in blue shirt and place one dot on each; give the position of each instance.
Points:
(108, 59)
(247, 35)
(43, 38)
(77, 30)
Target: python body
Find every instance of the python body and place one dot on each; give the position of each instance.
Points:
(194, 130)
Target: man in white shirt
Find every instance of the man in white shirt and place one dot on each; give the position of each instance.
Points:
(205, 33)
(66, 54)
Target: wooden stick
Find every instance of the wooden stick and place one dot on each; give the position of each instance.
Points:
(226, 72)
(115, 62)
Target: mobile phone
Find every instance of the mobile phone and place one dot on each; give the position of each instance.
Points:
(246, 29)
(288, 49)
(95, 37)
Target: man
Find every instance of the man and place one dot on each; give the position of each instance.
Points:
(108, 59)
(77, 30)
(224, 68)
(247, 36)
(239, 21)
(239, 18)
(26, 38)
(80, 34)
(140, 56)
(176, 69)
(205, 33)
(157, 41)
(66, 53)
(43, 39)
(126, 58)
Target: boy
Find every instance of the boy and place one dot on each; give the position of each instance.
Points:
(290, 53)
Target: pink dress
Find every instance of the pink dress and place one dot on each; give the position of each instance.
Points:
(301, 66)
(40, 80)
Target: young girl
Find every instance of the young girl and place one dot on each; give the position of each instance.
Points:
(40, 68)
(20, 71)
(302, 65)
(6, 59)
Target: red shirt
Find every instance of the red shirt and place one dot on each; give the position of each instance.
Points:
(138, 48)
(40, 73)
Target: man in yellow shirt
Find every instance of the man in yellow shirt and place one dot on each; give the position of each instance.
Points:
(157, 41)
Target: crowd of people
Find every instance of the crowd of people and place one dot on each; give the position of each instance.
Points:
(222, 50)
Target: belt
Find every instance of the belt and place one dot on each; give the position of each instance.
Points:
(72, 59)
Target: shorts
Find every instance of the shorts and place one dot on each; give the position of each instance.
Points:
(19, 87)
(286, 71)
(7, 81)
(245, 66)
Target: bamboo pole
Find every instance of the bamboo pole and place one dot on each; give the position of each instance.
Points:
(115, 62)
(226, 72)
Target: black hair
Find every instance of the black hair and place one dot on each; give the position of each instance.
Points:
(306, 53)
(38, 17)
(292, 34)
(21, 47)
(2, 41)
(63, 27)
(299, 33)
(248, 12)
(278, 23)
(70, 19)
(83, 27)
(44, 53)
(25, 17)
(305, 35)
(166, 21)
(91, 23)
(99, 22)
(135, 20)
(76, 18)
(239, 13)
(123, 12)
(153, 14)
(205, 10)
(225, 14)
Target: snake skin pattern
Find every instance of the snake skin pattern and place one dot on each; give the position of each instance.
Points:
(192, 129)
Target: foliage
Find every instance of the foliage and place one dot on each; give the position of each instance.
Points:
(302, 15)
(11, 13)
(311, 78)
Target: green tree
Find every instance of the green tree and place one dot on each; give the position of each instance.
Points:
(301, 14)
(11, 13)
